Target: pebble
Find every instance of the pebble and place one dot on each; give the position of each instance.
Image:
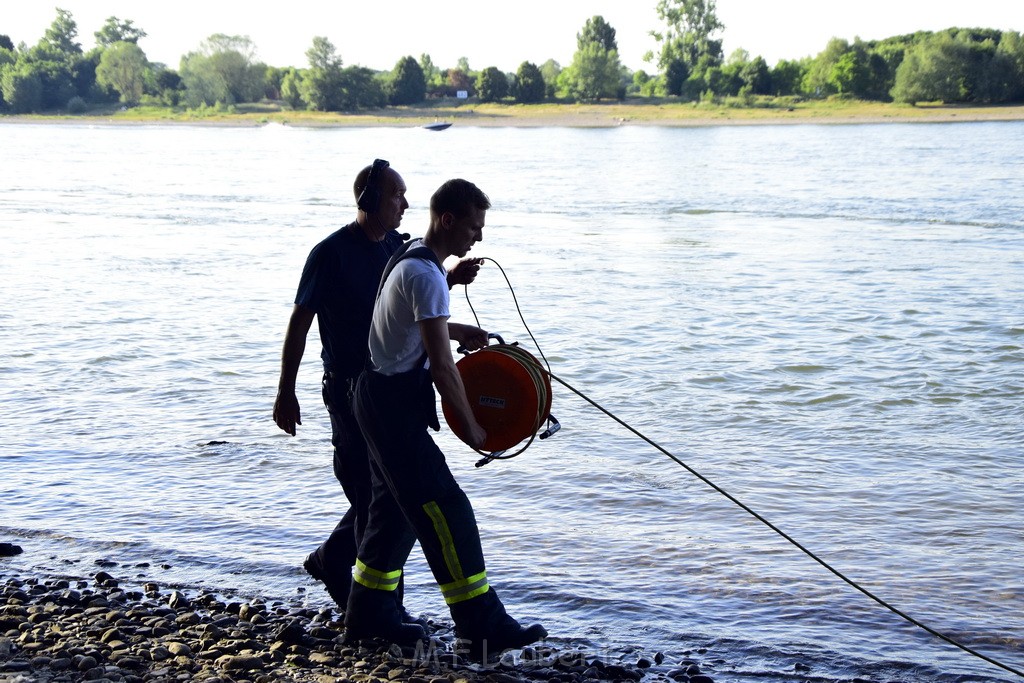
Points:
(123, 630)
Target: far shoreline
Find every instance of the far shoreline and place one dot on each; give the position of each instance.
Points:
(604, 115)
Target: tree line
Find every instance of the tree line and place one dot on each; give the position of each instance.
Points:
(983, 66)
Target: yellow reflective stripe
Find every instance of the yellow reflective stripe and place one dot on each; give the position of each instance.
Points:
(464, 589)
(376, 579)
(451, 558)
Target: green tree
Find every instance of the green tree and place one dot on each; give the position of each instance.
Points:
(530, 86)
(786, 77)
(691, 25)
(984, 66)
(932, 70)
(595, 69)
(677, 73)
(323, 55)
(272, 82)
(885, 57)
(6, 43)
(960, 65)
(57, 80)
(727, 79)
(362, 88)
(492, 85)
(168, 86)
(1011, 52)
(22, 89)
(292, 89)
(431, 74)
(593, 74)
(406, 84)
(851, 73)
(756, 77)
(59, 39)
(322, 86)
(597, 30)
(223, 70)
(123, 67)
(116, 31)
(643, 84)
(55, 61)
(818, 79)
(550, 70)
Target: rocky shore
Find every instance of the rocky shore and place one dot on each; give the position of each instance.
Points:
(59, 630)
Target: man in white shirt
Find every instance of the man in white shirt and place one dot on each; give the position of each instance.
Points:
(415, 496)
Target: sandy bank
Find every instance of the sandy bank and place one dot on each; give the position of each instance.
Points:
(564, 116)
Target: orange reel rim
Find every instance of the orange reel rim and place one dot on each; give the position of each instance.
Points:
(509, 393)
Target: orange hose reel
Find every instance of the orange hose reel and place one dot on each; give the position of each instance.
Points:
(510, 396)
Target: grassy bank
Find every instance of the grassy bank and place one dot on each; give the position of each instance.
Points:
(632, 112)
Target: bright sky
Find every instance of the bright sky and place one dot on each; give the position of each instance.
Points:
(376, 34)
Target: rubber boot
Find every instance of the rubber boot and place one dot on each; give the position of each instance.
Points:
(376, 614)
(337, 583)
(485, 629)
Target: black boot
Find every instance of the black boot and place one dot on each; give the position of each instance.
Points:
(376, 614)
(337, 583)
(404, 614)
(485, 629)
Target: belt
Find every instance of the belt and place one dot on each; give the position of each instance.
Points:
(336, 377)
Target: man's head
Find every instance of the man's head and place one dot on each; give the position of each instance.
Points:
(380, 193)
(457, 211)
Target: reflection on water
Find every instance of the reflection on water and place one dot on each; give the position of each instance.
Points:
(825, 321)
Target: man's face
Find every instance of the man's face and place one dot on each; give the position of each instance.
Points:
(392, 200)
(467, 231)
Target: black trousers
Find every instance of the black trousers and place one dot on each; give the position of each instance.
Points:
(337, 554)
(414, 495)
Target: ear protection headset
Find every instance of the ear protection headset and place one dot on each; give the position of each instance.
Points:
(369, 198)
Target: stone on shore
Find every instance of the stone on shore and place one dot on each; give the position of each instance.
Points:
(64, 631)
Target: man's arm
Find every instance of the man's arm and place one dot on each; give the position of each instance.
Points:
(436, 339)
(286, 405)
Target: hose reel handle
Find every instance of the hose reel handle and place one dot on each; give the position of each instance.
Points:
(553, 426)
(490, 335)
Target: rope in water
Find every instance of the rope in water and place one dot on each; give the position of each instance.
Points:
(786, 536)
(746, 508)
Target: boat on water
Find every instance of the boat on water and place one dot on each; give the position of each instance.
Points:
(438, 125)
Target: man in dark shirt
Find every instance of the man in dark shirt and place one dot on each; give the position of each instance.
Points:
(338, 286)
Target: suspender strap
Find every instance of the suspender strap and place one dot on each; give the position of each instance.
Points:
(405, 251)
(408, 251)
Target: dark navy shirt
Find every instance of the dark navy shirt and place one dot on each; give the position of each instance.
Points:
(339, 283)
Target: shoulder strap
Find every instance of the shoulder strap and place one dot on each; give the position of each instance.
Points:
(408, 251)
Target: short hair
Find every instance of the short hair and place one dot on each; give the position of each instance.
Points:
(458, 197)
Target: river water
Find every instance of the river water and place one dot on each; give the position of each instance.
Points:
(827, 322)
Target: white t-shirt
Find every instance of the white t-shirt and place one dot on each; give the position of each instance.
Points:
(415, 290)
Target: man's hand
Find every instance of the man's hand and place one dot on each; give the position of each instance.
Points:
(475, 435)
(286, 412)
(286, 406)
(464, 272)
(469, 336)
